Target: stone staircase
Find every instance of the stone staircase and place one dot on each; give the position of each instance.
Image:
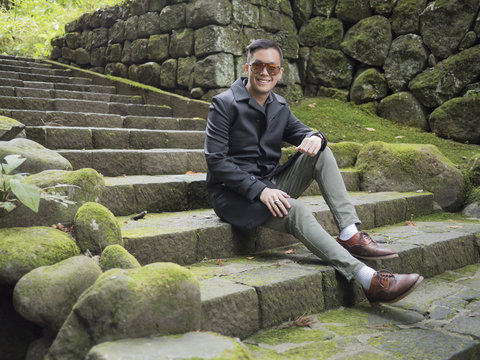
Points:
(149, 146)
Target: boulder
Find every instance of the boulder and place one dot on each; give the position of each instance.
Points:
(181, 43)
(333, 93)
(148, 24)
(458, 119)
(116, 257)
(409, 167)
(168, 74)
(113, 53)
(368, 40)
(98, 57)
(38, 157)
(25, 249)
(214, 39)
(245, 13)
(302, 11)
(131, 28)
(443, 40)
(193, 345)
(473, 204)
(406, 15)
(46, 295)
(205, 12)
(406, 58)
(116, 34)
(474, 170)
(96, 228)
(185, 71)
(82, 57)
(158, 47)
(369, 85)
(469, 40)
(330, 68)
(139, 50)
(149, 73)
(172, 17)
(324, 32)
(436, 85)
(38, 349)
(77, 186)
(116, 69)
(403, 108)
(9, 128)
(345, 153)
(207, 76)
(157, 299)
(352, 11)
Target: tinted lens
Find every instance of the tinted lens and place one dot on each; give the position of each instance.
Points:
(272, 69)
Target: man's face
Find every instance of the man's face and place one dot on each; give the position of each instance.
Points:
(260, 82)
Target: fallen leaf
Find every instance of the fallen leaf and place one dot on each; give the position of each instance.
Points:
(410, 223)
(471, 315)
(464, 158)
(377, 326)
(370, 129)
(312, 105)
(190, 172)
(455, 227)
(220, 262)
(250, 258)
(291, 251)
(399, 137)
(358, 125)
(205, 258)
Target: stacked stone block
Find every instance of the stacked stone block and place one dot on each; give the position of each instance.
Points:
(196, 48)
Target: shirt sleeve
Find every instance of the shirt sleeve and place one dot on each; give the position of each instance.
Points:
(296, 131)
(216, 153)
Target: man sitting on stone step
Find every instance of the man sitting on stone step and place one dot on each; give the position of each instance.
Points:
(246, 127)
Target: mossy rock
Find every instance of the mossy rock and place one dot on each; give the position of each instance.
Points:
(79, 186)
(411, 167)
(330, 68)
(39, 158)
(474, 170)
(25, 249)
(46, 295)
(444, 23)
(369, 85)
(157, 299)
(368, 41)
(433, 87)
(9, 128)
(458, 119)
(353, 11)
(193, 345)
(405, 16)
(323, 32)
(116, 257)
(96, 228)
(345, 153)
(403, 108)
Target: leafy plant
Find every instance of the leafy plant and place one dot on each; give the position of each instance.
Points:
(13, 189)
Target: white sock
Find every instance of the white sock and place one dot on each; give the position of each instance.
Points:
(348, 232)
(364, 276)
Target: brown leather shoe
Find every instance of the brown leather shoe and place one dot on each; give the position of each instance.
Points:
(387, 287)
(362, 246)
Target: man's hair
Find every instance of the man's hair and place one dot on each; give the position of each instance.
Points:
(263, 44)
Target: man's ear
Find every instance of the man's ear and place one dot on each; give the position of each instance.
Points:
(246, 68)
(280, 73)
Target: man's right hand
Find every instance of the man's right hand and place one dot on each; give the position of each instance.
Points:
(276, 201)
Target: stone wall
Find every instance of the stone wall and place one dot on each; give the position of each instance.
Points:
(406, 57)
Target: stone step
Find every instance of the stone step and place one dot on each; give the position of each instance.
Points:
(34, 70)
(68, 94)
(44, 78)
(57, 86)
(189, 236)
(244, 294)
(126, 195)
(54, 137)
(21, 59)
(112, 162)
(78, 119)
(73, 105)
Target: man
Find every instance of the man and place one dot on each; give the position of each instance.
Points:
(246, 127)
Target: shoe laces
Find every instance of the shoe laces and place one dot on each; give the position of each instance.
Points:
(365, 237)
(383, 275)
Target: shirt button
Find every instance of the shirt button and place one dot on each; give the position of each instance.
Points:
(252, 178)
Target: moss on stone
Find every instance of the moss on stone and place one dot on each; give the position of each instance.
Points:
(345, 153)
(115, 256)
(24, 249)
(96, 228)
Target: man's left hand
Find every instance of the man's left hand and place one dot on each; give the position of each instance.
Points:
(310, 145)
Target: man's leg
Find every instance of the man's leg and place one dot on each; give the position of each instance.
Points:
(323, 168)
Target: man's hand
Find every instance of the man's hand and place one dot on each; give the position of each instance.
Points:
(310, 145)
(276, 201)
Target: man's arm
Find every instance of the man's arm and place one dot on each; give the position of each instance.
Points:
(216, 153)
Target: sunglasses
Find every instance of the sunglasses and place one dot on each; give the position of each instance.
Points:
(272, 69)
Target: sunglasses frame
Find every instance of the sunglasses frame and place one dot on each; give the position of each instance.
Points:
(274, 66)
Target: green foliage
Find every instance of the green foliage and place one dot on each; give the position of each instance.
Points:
(13, 189)
(26, 26)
